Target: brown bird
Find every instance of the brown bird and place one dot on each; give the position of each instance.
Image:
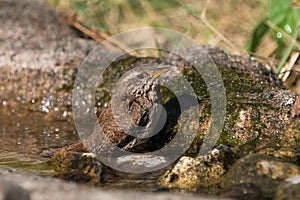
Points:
(135, 112)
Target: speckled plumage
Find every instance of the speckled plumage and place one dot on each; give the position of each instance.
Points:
(134, 110)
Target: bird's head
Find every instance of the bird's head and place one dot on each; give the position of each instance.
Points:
(136, 97)
(142, 80)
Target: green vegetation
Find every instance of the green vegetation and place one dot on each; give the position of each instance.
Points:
(283, 21)
(42, 168)
(116, 16)
(227, 24)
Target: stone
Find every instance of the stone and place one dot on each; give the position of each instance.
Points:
(50, 188)
(244, 191)
(28, 40)
(76, 165)
(288, 189)
(263, 171)
(200, 171)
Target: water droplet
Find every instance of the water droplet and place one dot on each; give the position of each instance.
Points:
(59, 99)
(33, 101)
(288, 28)
(89, 97)
(45, 109)
(47, 103)
(4, 103)
(279, 35)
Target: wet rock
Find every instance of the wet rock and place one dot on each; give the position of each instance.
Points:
(136, 171)
(50, 188)
(201, 171)
(289, 189)
(72, 163)
(244, 191)
(263, 171)
(12, 191)
(140, 162)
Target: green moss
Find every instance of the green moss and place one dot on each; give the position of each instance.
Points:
(242, 93)
(28, 165)
(2, 160)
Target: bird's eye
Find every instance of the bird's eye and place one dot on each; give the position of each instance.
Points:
(140, 76)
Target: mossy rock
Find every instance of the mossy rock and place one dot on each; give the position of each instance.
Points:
(77, 165)
(257, 118)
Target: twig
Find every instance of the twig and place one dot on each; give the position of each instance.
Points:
(205, 21)
(96, 35)
(289, 65)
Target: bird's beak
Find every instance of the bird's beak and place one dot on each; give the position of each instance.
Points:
(159, 73)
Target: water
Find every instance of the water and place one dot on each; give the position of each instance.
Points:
(25, 133)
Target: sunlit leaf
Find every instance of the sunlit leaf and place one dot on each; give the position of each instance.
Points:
(258, 33)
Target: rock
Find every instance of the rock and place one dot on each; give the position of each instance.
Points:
(246, 64)
(257, 111)
(139, 162)
(263, 171)
(201, 171)
(289, 189)
(38, 39)
(12, 191)
(50, 188)
(77, 165)
(244, 191)
(72, 163)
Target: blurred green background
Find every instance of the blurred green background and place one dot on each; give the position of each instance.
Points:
(267, 29)
(234, 19)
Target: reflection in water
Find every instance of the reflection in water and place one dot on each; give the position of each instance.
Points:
(27, 133)
(35, 110)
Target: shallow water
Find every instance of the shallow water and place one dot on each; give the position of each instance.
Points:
(25, 133)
